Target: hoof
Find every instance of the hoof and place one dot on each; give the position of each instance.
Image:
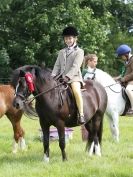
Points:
(46, 159)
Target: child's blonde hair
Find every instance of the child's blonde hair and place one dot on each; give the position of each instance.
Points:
(90, 57)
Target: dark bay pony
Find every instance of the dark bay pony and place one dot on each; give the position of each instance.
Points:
(14, 115)
(56, 106)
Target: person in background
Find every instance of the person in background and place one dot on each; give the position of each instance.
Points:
(124, 52)
(90, 66)
(68, 65)
(121, 70)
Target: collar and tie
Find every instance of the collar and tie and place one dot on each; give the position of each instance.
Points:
(70, 49)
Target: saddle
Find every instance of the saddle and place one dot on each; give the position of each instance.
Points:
(65, 93)
(65, 88)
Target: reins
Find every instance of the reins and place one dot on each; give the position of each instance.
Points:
(32, 99)
(109, 86)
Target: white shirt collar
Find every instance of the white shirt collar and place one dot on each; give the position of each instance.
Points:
(72, 47)
(91, 69)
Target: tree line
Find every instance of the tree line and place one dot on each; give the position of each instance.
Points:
(30, 30)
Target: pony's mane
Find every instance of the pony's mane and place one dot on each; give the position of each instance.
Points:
(42, 73)
(104, 78)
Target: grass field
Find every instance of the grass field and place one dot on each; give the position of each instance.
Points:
(116, 160)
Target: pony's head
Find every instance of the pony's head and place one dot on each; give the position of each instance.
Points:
(28, 80)
(23, 89)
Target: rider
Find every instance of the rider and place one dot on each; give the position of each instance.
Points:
(90, 67)
(68, 65)
(124, 51)
(90, 64)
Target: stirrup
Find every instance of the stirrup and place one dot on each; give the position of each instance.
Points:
(81, 119)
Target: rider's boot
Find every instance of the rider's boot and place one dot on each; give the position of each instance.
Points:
(129, 112)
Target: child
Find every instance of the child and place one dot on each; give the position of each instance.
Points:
(90, 63)
(68, 65)
(124, 52)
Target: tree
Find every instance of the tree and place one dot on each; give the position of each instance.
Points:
(30, 31)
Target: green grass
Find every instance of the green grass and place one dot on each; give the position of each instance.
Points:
(116, 160)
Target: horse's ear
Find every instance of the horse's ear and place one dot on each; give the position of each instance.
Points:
(43, 65)
(21, 73)
(35, 71)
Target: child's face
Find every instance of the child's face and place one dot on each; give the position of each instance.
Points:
(70, 40)
(124, 57)
(92, 63)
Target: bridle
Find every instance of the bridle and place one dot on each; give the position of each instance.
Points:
(46, 91)
(25, 96)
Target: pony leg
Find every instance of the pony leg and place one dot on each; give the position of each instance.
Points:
(97, 149)
(22, 144)
(115, 131)
(114, 125)
(45, 131)
(95, 127)
(90, 144)
(61, 133)
(15, 147)
(19, 136)
(91, 149)
(98, 127)
(17, 129)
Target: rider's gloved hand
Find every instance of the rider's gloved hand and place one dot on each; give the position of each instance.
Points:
(53, 76)
(122, 80)
(66, 79)
(117, 79)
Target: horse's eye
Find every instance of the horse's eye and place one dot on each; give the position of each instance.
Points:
(22, 84)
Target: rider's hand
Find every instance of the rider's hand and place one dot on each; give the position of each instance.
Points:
(122, 80)
(53, 76)
(123, 83)
(66, 79)
(117, 79)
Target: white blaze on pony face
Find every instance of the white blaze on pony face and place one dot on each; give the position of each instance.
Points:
(16, 88)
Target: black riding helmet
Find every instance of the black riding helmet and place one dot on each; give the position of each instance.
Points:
(70, 31)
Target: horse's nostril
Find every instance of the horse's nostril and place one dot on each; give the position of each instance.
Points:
(17, 106)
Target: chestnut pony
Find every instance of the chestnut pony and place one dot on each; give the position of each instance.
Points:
(14, 115)
(55, 105)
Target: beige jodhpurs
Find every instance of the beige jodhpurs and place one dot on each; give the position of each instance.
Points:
(129, 92)
(76, 87)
